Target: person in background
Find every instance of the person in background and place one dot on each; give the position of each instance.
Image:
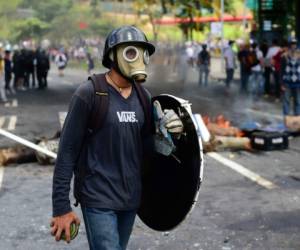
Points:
(290, 78)
(190, 54)
(256, 79)
(203, 64)
(245, 67)
(90, 62)
(230, 63)
(276, 63)
(42, 68)
(8, 70)
(29, 59)
(2, 91)
(61, 62)
(16, 66)
(21, 69)
(269, 69)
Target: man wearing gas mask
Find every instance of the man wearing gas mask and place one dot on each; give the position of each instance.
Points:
(109, 177)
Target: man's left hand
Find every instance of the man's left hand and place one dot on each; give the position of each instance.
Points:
(172, 122)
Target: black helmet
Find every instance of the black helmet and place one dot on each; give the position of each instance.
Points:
(124, 34)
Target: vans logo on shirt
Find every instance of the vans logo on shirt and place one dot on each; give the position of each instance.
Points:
(126, 116)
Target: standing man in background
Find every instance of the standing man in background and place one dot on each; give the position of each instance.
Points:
(290, 68)
(269, 68)
(230, 64)
(42, 68)
(2, 89)
(8, 70)
(61, 62)
(256, 79)
(203, 63)
(245, 67)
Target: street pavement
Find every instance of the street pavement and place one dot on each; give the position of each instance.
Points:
(233, 211)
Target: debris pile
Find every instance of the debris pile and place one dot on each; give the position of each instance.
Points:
(292, 123)
(224, 136)
(23, 154)
(16, 154)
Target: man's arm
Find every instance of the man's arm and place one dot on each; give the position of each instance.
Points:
(71, 140)
(73, 133)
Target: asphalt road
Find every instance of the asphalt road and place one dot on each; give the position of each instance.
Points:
(233, 211)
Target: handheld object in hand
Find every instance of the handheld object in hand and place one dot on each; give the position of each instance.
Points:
(74, 228)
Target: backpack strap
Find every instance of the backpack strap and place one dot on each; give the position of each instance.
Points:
(145, 100)
(96, 121)
(100, 106)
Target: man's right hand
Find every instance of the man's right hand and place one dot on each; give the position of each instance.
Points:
(62, 223)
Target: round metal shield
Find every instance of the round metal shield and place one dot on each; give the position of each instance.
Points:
(170, 184)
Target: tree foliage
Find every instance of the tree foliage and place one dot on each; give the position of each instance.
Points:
(65, 19)
(47, 10)
(30, 28)
(188, 9)
(8, 7)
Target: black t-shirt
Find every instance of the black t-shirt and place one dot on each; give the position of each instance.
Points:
(242, 56)
(204, 57)
(113, 178)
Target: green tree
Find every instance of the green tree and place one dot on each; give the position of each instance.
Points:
(8, 13)
(187, 9)
(153, 9)
(8, 7)
(48, 10)
(30, 28)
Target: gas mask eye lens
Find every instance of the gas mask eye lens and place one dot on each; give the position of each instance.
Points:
(130, 54)
(146, 57)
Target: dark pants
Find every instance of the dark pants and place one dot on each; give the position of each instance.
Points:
(203, 72)
(277, 84)
(229, 77)
(288, 93)
(42, 79)
(244, 81)
(27, 78)
(7, 80)
(108, 229)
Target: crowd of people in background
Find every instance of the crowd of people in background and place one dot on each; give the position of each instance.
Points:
(26, 66)
(21, 69)
(266, 71)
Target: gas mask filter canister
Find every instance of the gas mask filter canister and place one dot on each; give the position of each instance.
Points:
(132, 61)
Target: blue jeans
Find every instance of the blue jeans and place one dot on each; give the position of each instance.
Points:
(256, 81)
(288, 93)
(203, 71)
(108, 229)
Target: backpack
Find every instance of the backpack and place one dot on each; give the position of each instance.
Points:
(251, 59)
(203, 57)
(60, 58)
(43, 61)
(97, 118)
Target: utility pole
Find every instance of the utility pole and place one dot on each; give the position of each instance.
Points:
(298, 21)
(222, 36)
(244, 17)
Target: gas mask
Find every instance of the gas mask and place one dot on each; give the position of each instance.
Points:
(132, 61)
